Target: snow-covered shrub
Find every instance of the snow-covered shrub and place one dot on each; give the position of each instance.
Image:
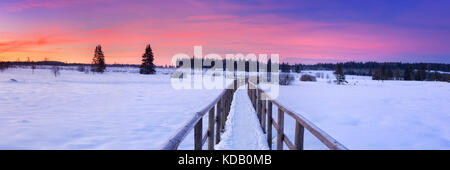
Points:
(307, 77)
(55, 71)
(33, 67)
(320, 75)
(87, 70)
(3, 66)
(286, 79)
(81, 69)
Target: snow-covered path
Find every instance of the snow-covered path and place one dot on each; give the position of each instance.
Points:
(242, 129)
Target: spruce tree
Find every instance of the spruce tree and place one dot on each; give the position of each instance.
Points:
(397, 74)
(377, 75)
(339, 73)
(436, 76)
(421, 72)
(98, 62)
(147, 66)
(389, 74)
(407, 73)
(298, 69)
(284, 67)
(383, 72)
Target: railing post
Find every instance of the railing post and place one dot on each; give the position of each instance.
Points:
(198, 135)
(211, 129)
(225, 106)
(269, 124)
(253, 97)
(255, 94)
(299, 135)
(280, 133)
(222, 113)
(263, 115)
(256, 99)
(218, 122)
(258, 104)
(229, 98)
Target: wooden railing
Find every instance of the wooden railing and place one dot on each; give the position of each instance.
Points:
(218, 111)
(263, 107)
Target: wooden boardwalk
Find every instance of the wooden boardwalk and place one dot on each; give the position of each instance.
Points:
(243, 130)
(219, 109)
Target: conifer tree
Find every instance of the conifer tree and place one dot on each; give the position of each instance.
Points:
(284, 67)
(147, 66)
(407, 73)
(421, 72)
(339, 73)
(298, 69)
(98, 62)
(397, 74)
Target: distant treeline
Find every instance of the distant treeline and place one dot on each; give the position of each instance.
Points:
(387, 70)
(376, 65)
(283, 66)
(378, 71)
(209, 63)
(6, 64)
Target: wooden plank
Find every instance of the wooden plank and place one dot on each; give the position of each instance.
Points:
(299, 135)
(198, 135)
(280, 133)
(211, 129)
(269, 124)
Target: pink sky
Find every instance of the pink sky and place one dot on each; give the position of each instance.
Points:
(69, 31)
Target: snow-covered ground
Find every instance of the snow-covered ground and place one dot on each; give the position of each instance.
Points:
(114, 110)
(121, 109)
(367, 114)
(242, 129)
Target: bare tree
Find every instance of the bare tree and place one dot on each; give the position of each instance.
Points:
(55, 71)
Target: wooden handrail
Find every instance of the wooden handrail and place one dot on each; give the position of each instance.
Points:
(255, 93)
(222, 102)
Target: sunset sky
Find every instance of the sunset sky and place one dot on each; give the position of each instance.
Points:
(299, 30)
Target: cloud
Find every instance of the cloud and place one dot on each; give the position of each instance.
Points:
(21, 45)
(28, 45)
(21, 5)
